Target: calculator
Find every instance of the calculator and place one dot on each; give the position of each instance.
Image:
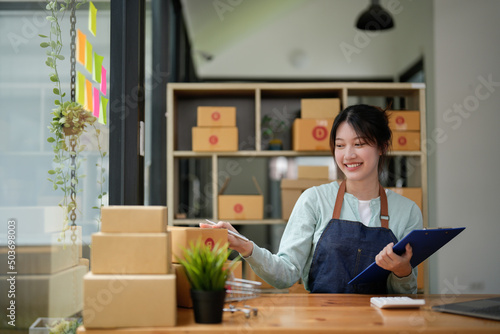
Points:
(396, 302)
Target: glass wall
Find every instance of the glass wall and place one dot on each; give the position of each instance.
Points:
(34, 251)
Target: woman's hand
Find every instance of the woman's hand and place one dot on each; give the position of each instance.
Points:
(245, 248)
(398, 264)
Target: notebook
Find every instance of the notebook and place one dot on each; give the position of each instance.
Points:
(424, 243)
(483, 308)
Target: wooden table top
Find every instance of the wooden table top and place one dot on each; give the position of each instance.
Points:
(332, 313)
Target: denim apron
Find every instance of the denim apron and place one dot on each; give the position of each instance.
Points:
(346, 248)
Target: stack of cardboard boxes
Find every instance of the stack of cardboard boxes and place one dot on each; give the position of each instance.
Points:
(41, 281)
(131, 283)
(216, 130)
(405, 126)
(311, 132)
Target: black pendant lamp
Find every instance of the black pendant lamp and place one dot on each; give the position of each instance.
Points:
(375, 18)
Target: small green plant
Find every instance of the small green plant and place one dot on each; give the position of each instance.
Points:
(64, 326)
(69, 121)
(206, 267)
(272, 127)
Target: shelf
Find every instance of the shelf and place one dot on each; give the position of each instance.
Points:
(233, 222)
(191, 154)
(195, 178)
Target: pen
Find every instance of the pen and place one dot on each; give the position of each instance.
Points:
(237, 235)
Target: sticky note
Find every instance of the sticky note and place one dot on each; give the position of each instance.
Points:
(97, 67)
(88, 96)
(103, 81)
(92, 18)
(80, 47)
(88, 56)
(80, 88)
(102, 115)
(96, 102)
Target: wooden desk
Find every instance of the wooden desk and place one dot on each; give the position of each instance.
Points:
(332, 313)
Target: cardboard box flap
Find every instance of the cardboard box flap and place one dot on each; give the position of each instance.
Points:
(226, 183)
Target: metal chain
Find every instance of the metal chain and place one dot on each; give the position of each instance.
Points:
(72, 144)
(73, 50)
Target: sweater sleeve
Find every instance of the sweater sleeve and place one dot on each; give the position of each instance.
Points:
(408, 284)
(283, 269)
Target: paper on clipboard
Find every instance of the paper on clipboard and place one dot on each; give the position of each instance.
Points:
(424, 243)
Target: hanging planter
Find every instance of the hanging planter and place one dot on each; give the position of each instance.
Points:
(70, 119)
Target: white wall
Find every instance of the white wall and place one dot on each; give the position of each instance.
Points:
(464, 182)
(309, 39)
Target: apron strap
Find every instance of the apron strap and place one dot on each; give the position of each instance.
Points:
(384, 208)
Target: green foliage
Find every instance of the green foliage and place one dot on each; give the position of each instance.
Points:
(272, 127)
(64, 326)
(205, 266)
(69, 119)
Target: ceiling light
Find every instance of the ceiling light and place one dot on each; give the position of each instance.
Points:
(375, 18)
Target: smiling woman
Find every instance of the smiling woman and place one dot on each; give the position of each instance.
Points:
(338, 229)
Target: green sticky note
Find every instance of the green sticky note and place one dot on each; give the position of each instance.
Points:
(92, 18)
(88, 57)
(80, 88)
(96, 70)
(102, 115)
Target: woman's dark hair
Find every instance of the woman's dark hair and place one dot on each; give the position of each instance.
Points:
(370, 123)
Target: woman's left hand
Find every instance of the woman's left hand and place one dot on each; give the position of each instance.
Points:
(398, 264)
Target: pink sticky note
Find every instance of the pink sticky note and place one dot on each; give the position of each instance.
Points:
(96, 102)
(103, 81)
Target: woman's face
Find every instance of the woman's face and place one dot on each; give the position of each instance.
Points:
(357, 159)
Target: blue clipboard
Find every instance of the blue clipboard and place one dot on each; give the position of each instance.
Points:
(424, 243)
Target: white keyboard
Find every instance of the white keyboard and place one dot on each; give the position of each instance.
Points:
(396, 302)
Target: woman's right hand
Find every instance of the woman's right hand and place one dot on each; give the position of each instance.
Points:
(245, 248)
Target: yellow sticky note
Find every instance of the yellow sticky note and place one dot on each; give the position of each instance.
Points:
(80, 88)
(96, 70)
(80, 47)
(102, 115)
(88, 57)
(88, 96)
(92, 18)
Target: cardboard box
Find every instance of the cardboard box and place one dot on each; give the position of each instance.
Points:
(216, 116)
(291, 191)
(313, 172)
(211, 139)
(57, 295)
(183, 287)
(311, 134)
(133, 219)
(131, 253)
(415, 194)
(41, 260)
(406, 141)
(404, 120)
(183, 236)
(319, 108)
(114, 301)
(237, 207)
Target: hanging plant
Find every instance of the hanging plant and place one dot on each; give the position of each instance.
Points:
(69, 120)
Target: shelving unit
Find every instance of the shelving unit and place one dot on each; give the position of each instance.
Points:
(253, 101)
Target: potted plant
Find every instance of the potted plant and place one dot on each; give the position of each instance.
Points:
(272, 128)
(69, 121)
(207, 273)
(55, 325)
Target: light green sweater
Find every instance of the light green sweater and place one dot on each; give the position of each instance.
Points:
(310, 216)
